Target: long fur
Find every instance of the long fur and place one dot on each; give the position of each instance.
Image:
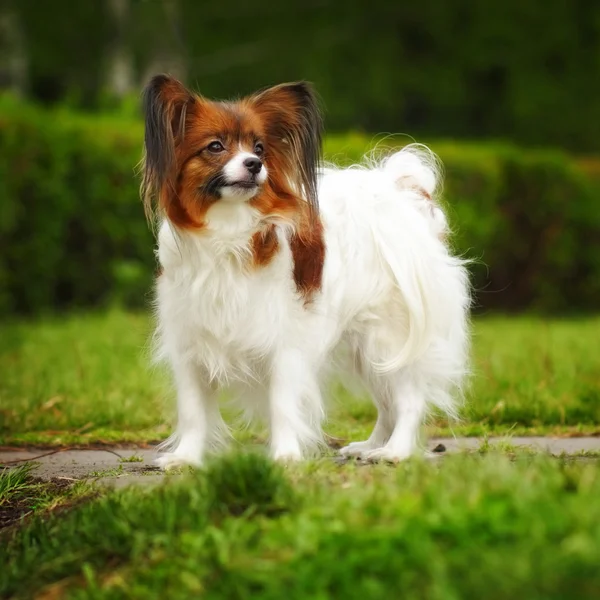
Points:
(297, 140)
(231, 312)
(164, 103)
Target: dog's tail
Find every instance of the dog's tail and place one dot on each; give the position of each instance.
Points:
(417, 169)
(433, 283)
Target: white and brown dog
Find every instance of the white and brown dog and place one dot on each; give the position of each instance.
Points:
(269, 263)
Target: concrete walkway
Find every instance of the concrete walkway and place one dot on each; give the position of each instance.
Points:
(113, 466)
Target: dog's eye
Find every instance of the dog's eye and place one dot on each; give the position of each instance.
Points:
(215, 147)
(258, 149)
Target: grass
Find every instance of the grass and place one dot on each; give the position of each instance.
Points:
(114, 472)
(14, 482)
(245, 528)
(132, 459)
(85, 379)
(520, 524)
(23, 495)
(79, 378)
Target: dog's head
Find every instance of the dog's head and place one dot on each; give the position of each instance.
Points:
(263, 150)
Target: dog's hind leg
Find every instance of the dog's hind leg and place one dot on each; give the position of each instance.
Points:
(384, 425)
(402, 405)
(409, 407)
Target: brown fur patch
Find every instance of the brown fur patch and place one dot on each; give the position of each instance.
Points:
(424, 193)
(293, 128)
(265, 245)
(308, 250)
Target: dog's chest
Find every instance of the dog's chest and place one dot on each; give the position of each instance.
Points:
(233, 307)
(227, 315)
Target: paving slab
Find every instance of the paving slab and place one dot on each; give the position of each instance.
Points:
(79, 464)
(119, 467)
(552, 445)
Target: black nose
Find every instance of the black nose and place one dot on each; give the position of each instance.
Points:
(254, 165)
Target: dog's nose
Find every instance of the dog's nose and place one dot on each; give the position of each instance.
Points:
(254, 165)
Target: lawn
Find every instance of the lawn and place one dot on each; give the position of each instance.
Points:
(500, 524)
(245, 528)
(87, 379)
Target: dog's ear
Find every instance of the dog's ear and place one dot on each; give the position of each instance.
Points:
(165, 103)
(294, 125)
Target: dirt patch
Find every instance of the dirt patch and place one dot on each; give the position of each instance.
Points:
(11, 512)
(21, 506)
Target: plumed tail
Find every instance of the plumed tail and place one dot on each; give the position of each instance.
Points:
(417, 169)
(433, 283)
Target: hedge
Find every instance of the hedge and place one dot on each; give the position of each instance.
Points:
(523, 70)
(72, 232)
(72, 229)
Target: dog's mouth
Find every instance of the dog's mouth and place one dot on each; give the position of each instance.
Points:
(219, 185)
(243, 189)
(244, 185)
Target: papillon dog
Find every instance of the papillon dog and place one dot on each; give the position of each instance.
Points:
(269, 262)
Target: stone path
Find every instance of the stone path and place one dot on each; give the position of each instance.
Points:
(111, 466)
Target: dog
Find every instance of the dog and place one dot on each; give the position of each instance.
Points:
(270, 261)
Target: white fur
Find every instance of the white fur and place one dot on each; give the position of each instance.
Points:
(392, 293)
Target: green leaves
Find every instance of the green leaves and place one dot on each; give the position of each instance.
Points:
(74, 233)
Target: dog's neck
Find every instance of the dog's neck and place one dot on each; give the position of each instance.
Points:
(239, 236)
(234, 233)
(233, 221)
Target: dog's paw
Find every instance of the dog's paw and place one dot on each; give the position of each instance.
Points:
(357, 449)
(285, 454)
(172, 460)
(386, 454)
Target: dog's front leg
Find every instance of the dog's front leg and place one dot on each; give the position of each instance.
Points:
(294, 405)
(199, 422)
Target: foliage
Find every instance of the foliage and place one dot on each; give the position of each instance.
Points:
(71, 228)
(516, 70)
(528, 528)
(528, 219)
(73, 232)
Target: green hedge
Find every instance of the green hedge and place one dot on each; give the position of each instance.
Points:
(518, 69)
(72, 230)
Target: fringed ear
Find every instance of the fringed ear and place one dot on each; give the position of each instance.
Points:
(165, 103)
(292, 118)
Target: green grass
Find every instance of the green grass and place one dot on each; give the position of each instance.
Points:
(114, 472)
(22, 495)
(520, 524)
(245, 528)
(132, 459)
(80, 379)
(85, 379)
(14, 482)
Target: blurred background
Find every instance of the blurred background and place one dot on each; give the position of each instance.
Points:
(507, 93)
